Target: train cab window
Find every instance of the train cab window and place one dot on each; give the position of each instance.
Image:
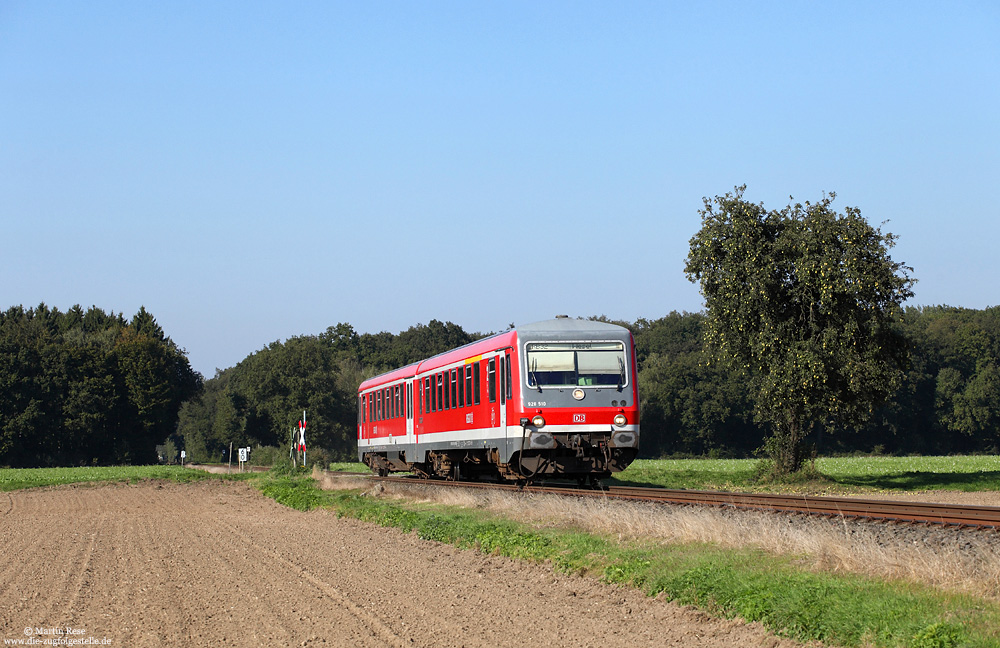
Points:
(571, 364)
(475, 384)
(491, 380)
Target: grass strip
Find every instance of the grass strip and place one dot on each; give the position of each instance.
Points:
(841, 475)
(17, 478)
(843, 610)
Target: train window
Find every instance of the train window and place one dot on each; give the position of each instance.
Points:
(409, 400)
(427, 395)
(503, 377)
(447, 391)
(378, 405)
(454, 388)
(460, 383)
(440, 393)
(565, 364)
(491, 380)
(475, 383)
(371, 407)
(508, 383)
(468, 384)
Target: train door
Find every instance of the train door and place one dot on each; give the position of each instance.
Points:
(408, 411)
(502, 388)
(492, 393)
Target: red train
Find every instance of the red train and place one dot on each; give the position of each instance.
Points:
(552, 399)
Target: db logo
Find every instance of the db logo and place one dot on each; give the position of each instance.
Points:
(579, 418)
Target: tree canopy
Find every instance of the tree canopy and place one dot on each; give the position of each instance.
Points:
(807, 303)
(87, 387)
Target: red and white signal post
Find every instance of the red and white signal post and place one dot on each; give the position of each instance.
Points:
(302, 437)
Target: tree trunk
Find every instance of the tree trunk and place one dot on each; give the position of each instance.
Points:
(786, 448)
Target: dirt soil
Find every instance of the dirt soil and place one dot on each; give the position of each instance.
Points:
(218, 564)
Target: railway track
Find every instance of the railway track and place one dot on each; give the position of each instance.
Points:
(985, 517)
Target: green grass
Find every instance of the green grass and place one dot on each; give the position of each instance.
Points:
(348, 466)
(966, 473)
(18, 478)
(838, 609)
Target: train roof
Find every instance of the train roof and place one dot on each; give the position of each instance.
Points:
(565, 328)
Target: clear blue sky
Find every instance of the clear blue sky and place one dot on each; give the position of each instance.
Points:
(253, 171)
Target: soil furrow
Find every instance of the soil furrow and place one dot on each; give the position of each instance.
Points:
(160, 564)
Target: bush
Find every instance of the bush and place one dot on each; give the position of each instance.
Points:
(267, 455)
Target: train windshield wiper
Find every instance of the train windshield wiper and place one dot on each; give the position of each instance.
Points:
(621, 373)
(534, 374)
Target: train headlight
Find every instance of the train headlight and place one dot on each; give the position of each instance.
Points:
(538, 421)
(620, 420)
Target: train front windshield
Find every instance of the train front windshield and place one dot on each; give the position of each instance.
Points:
(576, 364)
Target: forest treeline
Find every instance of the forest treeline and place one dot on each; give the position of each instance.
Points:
(89, 387)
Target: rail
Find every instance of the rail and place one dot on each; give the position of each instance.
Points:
(952, 515)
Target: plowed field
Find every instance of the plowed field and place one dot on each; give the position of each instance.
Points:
(217, 564)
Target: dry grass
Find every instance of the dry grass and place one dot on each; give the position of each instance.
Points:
(967, 562)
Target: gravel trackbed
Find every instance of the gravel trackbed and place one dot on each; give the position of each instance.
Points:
(218, 564)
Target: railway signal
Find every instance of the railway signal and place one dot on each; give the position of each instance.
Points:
(302, 437)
